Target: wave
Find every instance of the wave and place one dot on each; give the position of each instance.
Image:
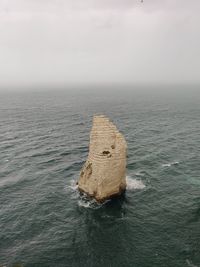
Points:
(139, 173)
(170, 164)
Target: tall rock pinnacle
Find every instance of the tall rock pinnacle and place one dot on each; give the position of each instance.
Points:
(104, 172)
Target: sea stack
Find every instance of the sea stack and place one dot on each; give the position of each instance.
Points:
(103, 175)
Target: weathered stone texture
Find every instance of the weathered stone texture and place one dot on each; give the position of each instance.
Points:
(104, 173)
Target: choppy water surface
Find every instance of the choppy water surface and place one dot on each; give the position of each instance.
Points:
(43, 144)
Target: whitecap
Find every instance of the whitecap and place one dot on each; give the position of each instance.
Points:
(139, 173)
(170, 164)
(175, 163)
(133, 184)
(166, 165)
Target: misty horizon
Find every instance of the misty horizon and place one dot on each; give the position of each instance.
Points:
(61, 43)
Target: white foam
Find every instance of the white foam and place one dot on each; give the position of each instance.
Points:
(83, 200)
(90, 203)
(133, 184)
(72, 186)
(84, 204)
(72, 189)
(170, 164)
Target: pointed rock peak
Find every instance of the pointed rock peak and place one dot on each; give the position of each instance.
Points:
(104, 172)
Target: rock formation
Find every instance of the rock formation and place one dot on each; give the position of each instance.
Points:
(104, 173)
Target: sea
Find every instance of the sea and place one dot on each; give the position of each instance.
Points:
(44, 138)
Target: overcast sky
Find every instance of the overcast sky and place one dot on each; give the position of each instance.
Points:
(45, 42)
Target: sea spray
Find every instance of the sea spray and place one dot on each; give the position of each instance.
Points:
(134, 184)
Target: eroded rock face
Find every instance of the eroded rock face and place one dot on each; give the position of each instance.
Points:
(104, 173)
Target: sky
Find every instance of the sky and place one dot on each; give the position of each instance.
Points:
(58, 42)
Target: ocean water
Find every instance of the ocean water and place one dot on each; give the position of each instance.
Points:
(44, 140)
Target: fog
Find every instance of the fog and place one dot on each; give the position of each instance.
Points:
(60, 42)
